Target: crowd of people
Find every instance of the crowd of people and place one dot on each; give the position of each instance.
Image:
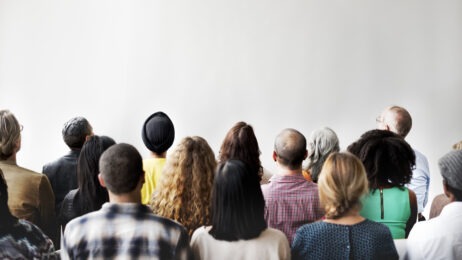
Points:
(103, 200)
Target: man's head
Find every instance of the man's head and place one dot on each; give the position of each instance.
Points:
(451, 170)
(290, 149)
(121, 168)
(158, 132)
(396, 119)
(10, 134)
(76, 131)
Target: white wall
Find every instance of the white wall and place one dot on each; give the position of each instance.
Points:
(210, 63)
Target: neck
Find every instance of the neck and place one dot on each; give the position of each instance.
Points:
(12, 159)
(157, 155)
(350, 218)
(284, 171)
(130, 197)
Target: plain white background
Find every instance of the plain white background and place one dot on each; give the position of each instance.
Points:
(210, 63)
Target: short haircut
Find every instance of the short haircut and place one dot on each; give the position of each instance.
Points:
(387, 158)
(241, 143)
(322, 142)
(10, 133)
(75, 132)
(121, 167)
(290, 147)
(237, 203)
(341, 185)
(403, 120)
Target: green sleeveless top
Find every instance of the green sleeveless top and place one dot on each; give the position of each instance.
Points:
(393, 210)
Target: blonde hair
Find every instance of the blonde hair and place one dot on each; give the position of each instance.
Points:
(342, 183)
(184, 192)
(457, 146)
(10, 133)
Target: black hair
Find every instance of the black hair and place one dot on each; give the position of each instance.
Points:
(121, 167)
(387, 158)
(91, 195)
(75, 132)
(237, 203)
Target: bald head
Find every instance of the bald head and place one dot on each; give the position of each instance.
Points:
(290, 148)
(396, 119)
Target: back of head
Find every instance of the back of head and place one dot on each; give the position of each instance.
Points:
(321, 143)
(387, 158)
(241, 143)
(184, 191)
(341, 185)
(290, 148)
(158, 132)
(10, 133)
(237, 203)
(398, 119)
(92, 195)
(451, 169)
(121, 168)
(75, 132)
(457, 146)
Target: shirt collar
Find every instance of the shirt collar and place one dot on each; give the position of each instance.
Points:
(453, 208)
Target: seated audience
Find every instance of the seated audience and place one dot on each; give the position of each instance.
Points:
(62, 173)
(344, 233)
(388, 161)
(90, 195)
(185, 189)
(241, 143)
(321, 143)
(30, 193)
(123, 228)
(290, 200)
(238, 229)
(442, 200)
(158, 134)
(441, 237)
(20, 239)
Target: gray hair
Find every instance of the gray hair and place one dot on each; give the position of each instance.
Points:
(322, 142)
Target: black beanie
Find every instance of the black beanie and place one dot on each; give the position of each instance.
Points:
(158, 132)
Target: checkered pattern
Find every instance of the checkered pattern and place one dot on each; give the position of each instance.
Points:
(124, 231)
(291, 201)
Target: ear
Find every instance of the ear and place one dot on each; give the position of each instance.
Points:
(306, 154)
(142, 180)
(275, 156)
(447, 192)
(101, 180)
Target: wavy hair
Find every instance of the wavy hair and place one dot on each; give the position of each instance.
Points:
(241, 144)
(387, 158)
(321, 143)
(184, 191)
(91, 195)
(341, 185)
(10, 133)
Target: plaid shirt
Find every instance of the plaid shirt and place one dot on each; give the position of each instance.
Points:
(291, 201)
(124, 231)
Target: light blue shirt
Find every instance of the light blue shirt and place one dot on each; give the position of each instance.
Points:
(420, 180)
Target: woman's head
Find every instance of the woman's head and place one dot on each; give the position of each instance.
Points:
(91, 192)
(341, 184)
(185, 187)
(241, 143)
(237, 203)
(10, 134)
(387, 158)
(321, 143)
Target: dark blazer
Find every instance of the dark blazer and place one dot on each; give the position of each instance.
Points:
(62, 174)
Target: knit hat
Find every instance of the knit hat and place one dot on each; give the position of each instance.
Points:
(158, 132)
(451, 168)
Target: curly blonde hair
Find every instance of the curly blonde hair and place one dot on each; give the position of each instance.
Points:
(184, 191)
(342, 183)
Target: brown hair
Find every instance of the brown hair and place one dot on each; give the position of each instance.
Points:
(10, 134)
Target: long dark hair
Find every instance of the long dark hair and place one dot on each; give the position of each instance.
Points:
(91, 195)
(237, 203)
(241, 143)
(7, 219)
(387, 158)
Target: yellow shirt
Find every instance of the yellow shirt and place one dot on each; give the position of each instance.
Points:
(152, 170)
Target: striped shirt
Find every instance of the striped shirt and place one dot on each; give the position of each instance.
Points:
(124, 231)
(290, 202)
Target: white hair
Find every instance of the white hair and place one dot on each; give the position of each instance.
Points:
(322, 142)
